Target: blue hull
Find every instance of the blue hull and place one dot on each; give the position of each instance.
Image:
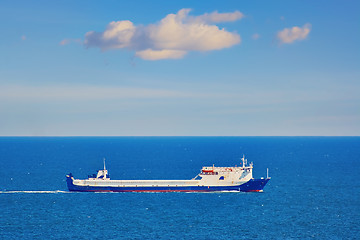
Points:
(254, 185)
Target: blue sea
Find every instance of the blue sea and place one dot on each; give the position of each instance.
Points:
(314, 191)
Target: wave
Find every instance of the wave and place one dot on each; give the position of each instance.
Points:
(56, 191)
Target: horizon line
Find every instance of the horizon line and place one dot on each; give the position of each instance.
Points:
(68, 136)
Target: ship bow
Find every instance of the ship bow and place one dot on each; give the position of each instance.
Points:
(254, 185)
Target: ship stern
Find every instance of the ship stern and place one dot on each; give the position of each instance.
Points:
(70, 182)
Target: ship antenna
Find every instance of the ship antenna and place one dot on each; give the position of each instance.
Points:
(104, 164)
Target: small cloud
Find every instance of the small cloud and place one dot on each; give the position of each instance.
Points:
(64, 42)
(290, 35)
(171, 38)
(67, 41)
(256, 36)
(23, 37)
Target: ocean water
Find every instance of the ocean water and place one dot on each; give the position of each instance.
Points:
(314, 192)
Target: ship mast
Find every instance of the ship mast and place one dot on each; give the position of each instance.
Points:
(105, 171)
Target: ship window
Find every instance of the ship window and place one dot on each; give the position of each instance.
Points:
(221, 178)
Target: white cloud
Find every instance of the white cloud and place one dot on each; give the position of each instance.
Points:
(117, 35)
(171, 38)
(289, 35)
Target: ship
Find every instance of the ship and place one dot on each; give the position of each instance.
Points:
(210, 179)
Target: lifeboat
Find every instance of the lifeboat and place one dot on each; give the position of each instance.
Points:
(208, 170)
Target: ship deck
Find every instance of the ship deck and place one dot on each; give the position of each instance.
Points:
(127, 183)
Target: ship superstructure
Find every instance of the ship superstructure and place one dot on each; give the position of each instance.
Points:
(238, 178)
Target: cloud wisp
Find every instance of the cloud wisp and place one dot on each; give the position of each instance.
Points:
(255, 36)
(170, 38)
(67, 41)
(290, 35)
(84, 93)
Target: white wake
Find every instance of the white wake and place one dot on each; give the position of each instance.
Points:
(56, 191)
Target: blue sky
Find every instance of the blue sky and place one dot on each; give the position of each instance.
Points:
(179, 68)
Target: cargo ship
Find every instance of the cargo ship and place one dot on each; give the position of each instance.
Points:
(210, 179)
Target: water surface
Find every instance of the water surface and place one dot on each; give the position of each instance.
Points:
(314, 191)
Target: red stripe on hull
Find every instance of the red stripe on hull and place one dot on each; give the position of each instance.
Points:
(143, 191)
(167, 191)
